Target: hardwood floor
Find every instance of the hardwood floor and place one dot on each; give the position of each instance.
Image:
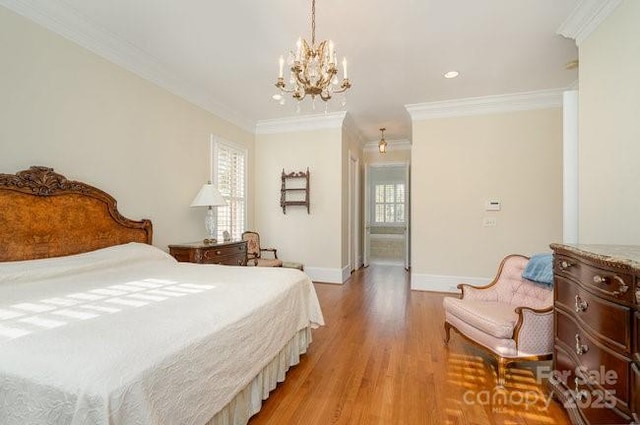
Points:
(381, 359)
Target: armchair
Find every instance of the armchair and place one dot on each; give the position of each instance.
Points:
(511, 317)
(254, 251)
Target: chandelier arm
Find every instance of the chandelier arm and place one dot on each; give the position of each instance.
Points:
(313, 22)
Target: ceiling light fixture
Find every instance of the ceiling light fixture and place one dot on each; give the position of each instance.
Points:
(382, 145)
(451, 74)
(313, 68)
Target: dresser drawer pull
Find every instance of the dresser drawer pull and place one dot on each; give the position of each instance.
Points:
(564, 265)
(579, 395)
(218, 252)
(581, 305)
(622, 286)
(599, 279)
(580, 348)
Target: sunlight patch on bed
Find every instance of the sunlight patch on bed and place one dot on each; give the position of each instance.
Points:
(33, 308)
(64, 302)
(100, 308)
(12, 333)
(85, 297)
(8, 314)
(28, 317)
(74, 314)
(122, 301)
(43, 323)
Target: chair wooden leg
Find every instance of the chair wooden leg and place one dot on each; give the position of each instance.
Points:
(447, 332)
(503, 363)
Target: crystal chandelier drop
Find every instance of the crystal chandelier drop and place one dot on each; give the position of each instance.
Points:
(314, 69)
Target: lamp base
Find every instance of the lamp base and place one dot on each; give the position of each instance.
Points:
(210, 241)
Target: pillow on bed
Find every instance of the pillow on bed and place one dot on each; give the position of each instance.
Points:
(29, 270)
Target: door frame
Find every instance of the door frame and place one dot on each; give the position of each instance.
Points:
(367, 210)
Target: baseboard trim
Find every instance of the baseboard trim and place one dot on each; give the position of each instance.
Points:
(328, 275)
(443, 283)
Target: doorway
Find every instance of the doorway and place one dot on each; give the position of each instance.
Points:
(387, 218)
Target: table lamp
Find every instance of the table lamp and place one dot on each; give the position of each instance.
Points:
(210, 197)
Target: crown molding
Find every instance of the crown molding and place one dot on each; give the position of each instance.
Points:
(68, 23)
(486, 104)
(301, 123)
(392, 145)
(585, 18)
(349, 126)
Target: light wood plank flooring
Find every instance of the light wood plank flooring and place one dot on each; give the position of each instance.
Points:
(381, 359)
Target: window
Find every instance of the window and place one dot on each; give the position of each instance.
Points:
(389, 203)
(231, 178)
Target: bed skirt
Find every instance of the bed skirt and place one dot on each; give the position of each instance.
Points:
(249, 400)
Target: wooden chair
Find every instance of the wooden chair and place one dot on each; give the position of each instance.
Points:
(254, 251)
(511, 317)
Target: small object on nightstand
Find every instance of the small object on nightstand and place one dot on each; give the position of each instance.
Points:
(226, 253)
(226, 236)
(209, 197)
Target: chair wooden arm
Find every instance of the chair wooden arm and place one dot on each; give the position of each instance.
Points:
(477, 292)
(273, 250)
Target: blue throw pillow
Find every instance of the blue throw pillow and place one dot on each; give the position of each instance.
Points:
(540, 269)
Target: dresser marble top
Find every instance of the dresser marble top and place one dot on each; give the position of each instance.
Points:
(625, 254)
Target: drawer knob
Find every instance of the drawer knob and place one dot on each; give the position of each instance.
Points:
(564, 265)
(580, 347)
(218, 252)
(578, 394)
(581, 305)
(599, 279)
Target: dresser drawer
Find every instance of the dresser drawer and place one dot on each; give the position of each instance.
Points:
(603, 282)
(604, 319)
(595, 406)
(227, 253)
(590, 358)
(216, 252)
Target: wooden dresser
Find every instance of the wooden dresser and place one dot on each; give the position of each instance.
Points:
(596, 359)
(227, 253)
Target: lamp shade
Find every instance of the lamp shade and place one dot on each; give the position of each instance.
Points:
(208, 196)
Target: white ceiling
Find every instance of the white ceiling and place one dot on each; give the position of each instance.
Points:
(225, 53)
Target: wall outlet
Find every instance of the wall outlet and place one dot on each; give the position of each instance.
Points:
(489, 222)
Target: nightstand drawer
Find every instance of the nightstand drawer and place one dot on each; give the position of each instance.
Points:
(213, 253)
(227, 253)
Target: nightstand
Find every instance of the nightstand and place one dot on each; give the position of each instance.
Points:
(227, 253)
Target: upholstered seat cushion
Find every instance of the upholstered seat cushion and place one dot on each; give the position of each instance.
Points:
(268, 262)
(494, 318)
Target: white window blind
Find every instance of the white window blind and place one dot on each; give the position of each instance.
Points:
(389, 201)
(231, 178)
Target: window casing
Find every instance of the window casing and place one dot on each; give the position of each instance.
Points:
(231, 179)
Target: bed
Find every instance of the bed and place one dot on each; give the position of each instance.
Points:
(99, 327)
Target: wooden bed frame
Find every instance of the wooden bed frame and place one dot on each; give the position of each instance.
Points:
(42, 214)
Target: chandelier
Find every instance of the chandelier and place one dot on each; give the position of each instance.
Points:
(313, 69)
(382, 145)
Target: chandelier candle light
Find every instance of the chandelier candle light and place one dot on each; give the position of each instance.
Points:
(313, 68)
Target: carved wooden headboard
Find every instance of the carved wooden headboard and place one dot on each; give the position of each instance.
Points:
(42, 214)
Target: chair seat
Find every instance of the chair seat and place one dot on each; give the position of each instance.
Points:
(494, 318)
(269, 262)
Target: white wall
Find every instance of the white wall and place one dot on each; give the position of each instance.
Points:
(609, 132)
(459, 163)
(313, 239)
(65, 107)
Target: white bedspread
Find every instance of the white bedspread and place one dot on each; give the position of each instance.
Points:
(126, 335)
